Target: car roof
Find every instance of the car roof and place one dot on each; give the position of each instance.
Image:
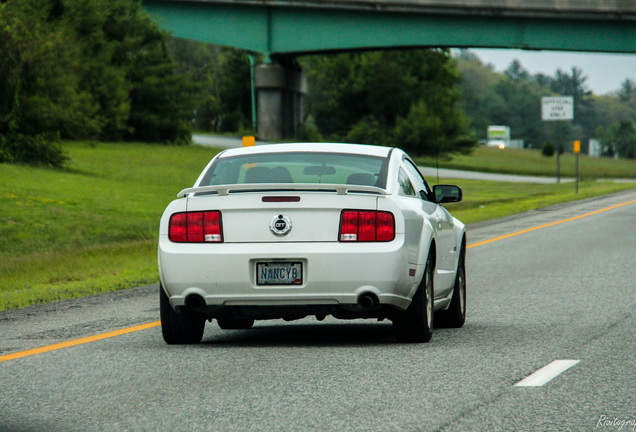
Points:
(362, 149)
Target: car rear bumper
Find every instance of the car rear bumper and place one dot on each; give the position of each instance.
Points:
(333, 273)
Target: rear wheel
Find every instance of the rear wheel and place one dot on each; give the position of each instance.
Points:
(415, 324)
(455, 315)
(235, 323)
(185, 327)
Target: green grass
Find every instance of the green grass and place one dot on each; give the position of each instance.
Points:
(52, 276)
(531, 162)
(93, 227)
(485, 200)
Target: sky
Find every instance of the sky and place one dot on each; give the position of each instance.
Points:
(605, 72)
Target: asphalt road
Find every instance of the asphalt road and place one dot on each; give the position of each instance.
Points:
(218, 141)
(565, 291)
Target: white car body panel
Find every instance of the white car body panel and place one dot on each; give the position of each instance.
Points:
(334, 273)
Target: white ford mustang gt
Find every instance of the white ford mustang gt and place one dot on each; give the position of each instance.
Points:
(292, 230)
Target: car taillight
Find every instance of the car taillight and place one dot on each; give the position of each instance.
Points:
(196, 227)
(366, 226)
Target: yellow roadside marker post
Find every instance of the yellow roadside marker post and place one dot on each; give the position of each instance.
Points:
(577, 151)
(249, 141)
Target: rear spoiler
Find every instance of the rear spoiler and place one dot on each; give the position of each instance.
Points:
(340, 189)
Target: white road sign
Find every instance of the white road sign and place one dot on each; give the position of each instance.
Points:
(557, 108)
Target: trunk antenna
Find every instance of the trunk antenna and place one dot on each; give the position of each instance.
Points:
(435, 134)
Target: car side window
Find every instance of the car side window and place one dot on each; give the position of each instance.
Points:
(406, 187)
(416, 177)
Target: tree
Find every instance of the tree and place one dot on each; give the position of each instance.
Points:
(78, 69)
(90, 22)
(542, 80)
(513, 99)
(619, 138)
(40, 95)
(159, 107)
(516, 72)
(574, 85)
(199, 62)
(627, 92)
(479, 100)
(222, 77)
(403, 98)
(520, 108)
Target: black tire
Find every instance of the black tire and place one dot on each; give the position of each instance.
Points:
(235, 323)
(415, 324)
(455, 315)
(185, 327)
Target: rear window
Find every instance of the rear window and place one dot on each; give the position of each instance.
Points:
(297, 167)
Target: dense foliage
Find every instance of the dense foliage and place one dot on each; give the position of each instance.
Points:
(222, 76)
(405, 98)
(75, 69)
(514, 99)
(400, 98)
(90, 69)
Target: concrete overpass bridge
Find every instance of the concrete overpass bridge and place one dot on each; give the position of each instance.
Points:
(282, 30)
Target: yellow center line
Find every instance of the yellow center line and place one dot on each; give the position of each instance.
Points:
(124, 331)
(76, 342)
(516, 233)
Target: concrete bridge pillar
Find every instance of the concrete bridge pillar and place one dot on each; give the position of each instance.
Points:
(279, 98)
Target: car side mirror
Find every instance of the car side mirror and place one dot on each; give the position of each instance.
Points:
(447, 194)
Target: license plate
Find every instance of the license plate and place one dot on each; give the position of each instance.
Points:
(279, 273)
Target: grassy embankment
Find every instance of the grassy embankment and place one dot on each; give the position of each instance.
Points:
(489, 200)
(93, 227)
(531, 162)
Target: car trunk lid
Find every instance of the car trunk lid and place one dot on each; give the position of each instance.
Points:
(257, 216)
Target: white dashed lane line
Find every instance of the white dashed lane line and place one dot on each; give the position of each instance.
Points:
(546, 373)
